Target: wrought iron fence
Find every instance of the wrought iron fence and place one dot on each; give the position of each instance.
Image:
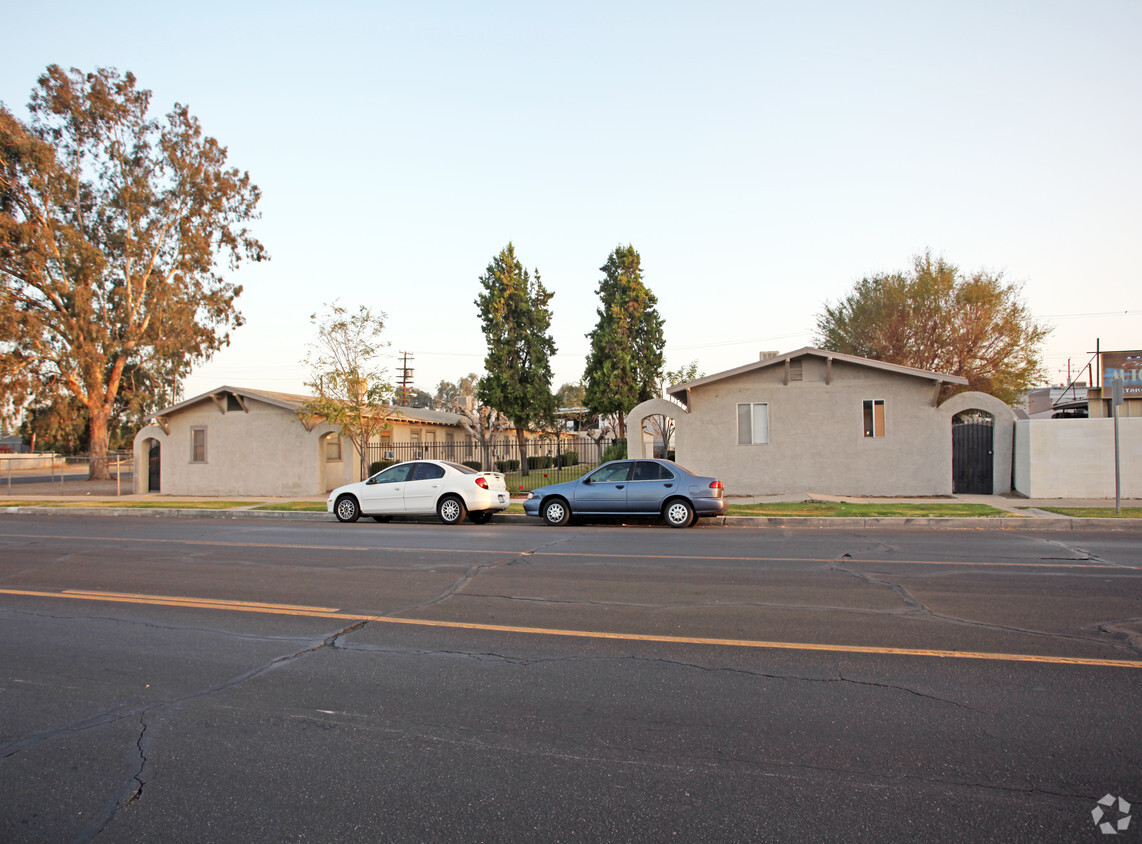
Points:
(557, 456)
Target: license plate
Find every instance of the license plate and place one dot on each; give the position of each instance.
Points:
(501, 499)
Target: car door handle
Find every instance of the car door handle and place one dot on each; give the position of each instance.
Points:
(668, 485)
(618, 486)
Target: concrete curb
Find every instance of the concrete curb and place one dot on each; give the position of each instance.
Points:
(1053, 522)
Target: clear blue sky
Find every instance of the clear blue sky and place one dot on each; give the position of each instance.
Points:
(762, 157)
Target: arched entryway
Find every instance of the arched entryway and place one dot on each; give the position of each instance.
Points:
(653, 429)
(973, 453)
(981, 432)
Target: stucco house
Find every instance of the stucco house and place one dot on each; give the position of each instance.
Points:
(238, 441)
(813, 420)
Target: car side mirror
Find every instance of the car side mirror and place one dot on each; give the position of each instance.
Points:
(587, 479)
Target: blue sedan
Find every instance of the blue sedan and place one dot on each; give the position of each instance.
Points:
(631, 488)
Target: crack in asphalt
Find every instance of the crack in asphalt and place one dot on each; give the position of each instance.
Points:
(657, 758)
(530, 661)
(475, 570)
(1128, 643)
(132, 788)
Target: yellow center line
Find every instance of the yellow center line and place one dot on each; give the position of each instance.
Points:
(321, 612)
(1080, 564)
(254, 605)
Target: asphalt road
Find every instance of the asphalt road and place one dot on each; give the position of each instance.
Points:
(241, 680)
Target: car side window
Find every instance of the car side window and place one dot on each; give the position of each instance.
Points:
(611, 474)
(428, 472)
(646, 470)
(394, 474)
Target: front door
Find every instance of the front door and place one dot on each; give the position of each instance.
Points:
(154, 474)
(973, 455)
(384, 492)
(604, 490)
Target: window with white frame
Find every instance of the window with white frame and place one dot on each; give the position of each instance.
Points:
(874, 417)
(753, 423)
(198, 444)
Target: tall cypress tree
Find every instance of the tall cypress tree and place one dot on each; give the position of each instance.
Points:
(626, 359)
(516, 319)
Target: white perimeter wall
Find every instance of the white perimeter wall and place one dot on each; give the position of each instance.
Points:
(1074, 458)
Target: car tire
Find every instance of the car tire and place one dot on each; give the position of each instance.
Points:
(347, 509)
(679, 513)
(451, 509)
(480, 517)
(556, 512)
(382, 519)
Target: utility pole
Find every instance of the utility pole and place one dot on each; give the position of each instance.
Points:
(405, 377)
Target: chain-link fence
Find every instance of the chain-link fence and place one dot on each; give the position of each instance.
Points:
(45, 471)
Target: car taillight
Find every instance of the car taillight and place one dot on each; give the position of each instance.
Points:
(482, 483)
(716, 485)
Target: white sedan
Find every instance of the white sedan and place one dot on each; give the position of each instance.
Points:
(422, 487)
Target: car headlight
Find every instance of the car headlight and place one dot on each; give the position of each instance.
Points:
(530, 496)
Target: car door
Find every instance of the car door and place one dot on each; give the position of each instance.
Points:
(423, 488)
(649, 486)
(383, 494)
(604, 490)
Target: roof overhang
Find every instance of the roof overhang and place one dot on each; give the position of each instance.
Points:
(682, 391)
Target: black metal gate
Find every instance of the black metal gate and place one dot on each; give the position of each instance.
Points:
(153, 467)
(973, 455)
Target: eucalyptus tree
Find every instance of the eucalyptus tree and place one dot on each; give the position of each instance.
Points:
(116, 229)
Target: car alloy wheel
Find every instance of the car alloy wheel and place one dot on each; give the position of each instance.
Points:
(679, 514)
(346, 509)
(451, 510)
(556, 512)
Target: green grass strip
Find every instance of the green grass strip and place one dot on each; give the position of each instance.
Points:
(1096, 512)
(869, 510)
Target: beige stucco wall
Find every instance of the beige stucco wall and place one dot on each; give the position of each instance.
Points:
(265, 452)
(1074, 458)
(816, 433)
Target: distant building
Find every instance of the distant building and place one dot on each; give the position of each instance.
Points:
(1059, 401)
(13, 444)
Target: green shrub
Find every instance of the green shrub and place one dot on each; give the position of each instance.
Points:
(378, 465)
(504, 466)
(615, 451)
(474, 464)
(539, 461)
(569, 458)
